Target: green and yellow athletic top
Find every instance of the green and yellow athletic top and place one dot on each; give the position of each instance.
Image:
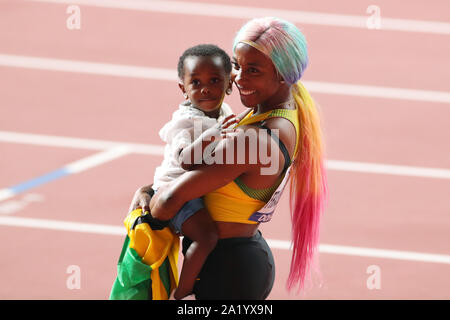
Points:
(237, 202)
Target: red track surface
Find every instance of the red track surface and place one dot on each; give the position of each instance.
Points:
(365, 210)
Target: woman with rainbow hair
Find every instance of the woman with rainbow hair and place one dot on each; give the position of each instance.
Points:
(269, 58)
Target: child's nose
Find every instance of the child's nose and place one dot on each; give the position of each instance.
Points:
(205, 90)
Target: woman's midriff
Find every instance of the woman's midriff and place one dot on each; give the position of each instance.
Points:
(235, 230)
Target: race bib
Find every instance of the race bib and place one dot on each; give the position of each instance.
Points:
(265, 213)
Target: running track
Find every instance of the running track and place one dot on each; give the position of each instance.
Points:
(80, 112)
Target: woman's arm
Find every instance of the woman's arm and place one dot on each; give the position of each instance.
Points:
(143, 195)
(235, 155)
(192, 184)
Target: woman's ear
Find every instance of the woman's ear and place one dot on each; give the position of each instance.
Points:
(181, 85)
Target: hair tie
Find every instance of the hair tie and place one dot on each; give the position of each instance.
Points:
(256, 46)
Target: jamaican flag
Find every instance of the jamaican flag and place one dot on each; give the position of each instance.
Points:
(147, 267)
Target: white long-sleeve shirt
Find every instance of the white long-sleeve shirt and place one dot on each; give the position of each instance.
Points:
(176, 134)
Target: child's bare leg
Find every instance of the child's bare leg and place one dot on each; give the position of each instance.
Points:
(202, 231)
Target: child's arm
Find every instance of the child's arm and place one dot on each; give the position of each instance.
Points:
(188, 154)
(189, 157)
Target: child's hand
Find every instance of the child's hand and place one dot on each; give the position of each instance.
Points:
(229, 121)
(212, 133)
(230, 132)
(228, 127)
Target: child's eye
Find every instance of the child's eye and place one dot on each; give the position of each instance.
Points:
(235, 65)
(253, 70)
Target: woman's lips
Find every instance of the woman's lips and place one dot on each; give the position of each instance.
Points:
(246, 92)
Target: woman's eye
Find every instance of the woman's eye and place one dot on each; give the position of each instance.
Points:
(253, 70)
(235, 65)
(215, 80)
(195, 82)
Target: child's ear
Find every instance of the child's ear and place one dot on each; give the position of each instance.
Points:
(230, 87)
(181, 85)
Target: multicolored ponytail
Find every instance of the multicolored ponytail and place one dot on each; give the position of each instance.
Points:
(286, 46)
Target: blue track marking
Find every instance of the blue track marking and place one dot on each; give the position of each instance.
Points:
(24, 186)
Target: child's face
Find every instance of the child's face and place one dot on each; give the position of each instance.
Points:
(205, 82)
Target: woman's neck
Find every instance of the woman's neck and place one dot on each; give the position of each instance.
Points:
(280, 100)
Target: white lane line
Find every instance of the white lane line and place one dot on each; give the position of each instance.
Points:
(103, 229)
(62, 225)
(16, 205)
(337, 165)
(117, 70)
(378, 92)
(379, 168)
(97, 159)
(105, 69)
(77, 143)
(245, 12)
(72, 168)
(6, 194)
(385, 254)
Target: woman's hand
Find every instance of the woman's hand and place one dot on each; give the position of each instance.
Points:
(142, 198)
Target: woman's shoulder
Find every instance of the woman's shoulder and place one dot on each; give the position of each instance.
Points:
(285, 130)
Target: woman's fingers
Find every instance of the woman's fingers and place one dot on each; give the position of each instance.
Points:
(229, 132)
(141, 200)
(144, 201)
(228, 118)
(230, 122)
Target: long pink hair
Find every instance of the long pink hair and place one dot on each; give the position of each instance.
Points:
(286, 46)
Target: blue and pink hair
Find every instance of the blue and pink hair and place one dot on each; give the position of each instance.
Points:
(286, 46)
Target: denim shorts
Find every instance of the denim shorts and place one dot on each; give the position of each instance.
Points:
(186, 211)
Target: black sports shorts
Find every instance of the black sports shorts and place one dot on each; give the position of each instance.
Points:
(238, 268)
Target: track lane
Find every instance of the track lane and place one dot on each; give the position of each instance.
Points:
(378, 130)
(345, 55)
(345, 276)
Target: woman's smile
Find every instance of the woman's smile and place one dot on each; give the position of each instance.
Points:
(246, 92)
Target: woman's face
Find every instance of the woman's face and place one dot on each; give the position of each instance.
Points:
(255, 77)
